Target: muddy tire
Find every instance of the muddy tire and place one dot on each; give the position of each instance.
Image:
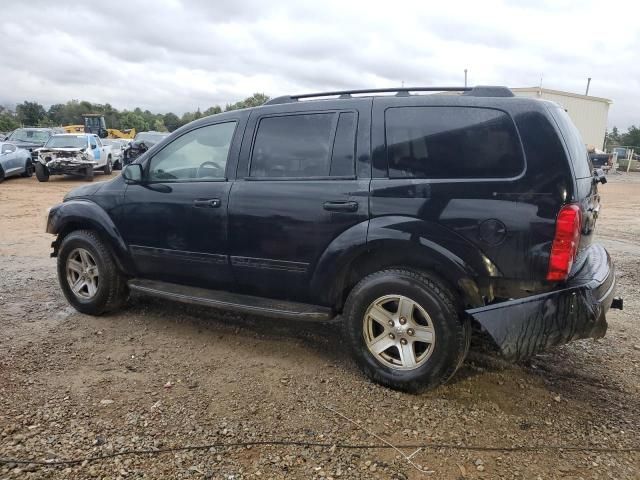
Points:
(405, 329)
(28, 169)
(89, 275)
(42, 172)
(108, 168)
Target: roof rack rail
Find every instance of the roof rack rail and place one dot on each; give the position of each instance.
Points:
(480, 91)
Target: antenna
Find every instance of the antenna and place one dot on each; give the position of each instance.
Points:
(588, 84)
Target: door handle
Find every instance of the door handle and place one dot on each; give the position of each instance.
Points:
(340, 206)
(208, 203)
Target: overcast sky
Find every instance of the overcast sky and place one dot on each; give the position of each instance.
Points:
(180, 55)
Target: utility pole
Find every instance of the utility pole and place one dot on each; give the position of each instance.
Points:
(465, 78)
(588, 84)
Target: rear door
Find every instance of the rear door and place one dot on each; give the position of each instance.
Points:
(297, 191)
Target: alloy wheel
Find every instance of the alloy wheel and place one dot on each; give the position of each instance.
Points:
(82, 274)
(398, 332)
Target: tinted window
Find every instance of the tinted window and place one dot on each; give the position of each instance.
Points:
(197, 155)
(293, 146)
(344, 146)
(451, 142)
(575, 145)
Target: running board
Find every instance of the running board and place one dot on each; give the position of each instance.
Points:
(232, 301)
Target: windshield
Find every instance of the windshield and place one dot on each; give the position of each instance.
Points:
(67, 141)
(150, 137)
(27, 135)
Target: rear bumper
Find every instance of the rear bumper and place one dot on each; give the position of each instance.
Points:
(522, 327)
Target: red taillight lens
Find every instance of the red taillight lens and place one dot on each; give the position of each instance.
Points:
(565, 242)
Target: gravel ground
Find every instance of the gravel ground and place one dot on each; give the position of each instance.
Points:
(159, 375)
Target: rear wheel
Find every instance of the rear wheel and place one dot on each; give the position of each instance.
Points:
(404, 329)
(1, 174)
(42, 172)
(88, 274)
(108, 168)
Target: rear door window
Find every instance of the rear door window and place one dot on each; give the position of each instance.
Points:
(452, 143)
(575, 145)
(308, 145)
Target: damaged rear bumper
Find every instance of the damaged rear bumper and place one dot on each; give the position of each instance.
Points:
(525, 326)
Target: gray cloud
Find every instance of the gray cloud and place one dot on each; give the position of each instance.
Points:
(179, 55)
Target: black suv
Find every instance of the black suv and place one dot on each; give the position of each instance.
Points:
(415, 220)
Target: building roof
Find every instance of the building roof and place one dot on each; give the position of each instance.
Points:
(560, 92)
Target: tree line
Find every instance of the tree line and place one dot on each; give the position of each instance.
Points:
(33, 114)
(631, 138)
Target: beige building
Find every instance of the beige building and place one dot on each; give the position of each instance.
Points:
(588, 113)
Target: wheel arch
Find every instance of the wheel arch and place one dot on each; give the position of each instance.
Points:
(407, 242)
(86, 215)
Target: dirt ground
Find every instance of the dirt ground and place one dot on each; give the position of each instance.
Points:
(159, 375)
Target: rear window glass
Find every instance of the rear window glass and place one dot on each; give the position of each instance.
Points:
(451, 142)
(575, 145)
(304, 146)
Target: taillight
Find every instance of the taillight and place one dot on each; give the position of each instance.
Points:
(565, 242)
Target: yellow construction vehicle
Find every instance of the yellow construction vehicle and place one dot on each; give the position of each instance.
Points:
(94, 123)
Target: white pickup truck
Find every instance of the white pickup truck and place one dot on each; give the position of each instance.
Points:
(73, 154)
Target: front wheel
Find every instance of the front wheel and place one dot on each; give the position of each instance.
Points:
(42, 173)
(405, 330)
(88, 274)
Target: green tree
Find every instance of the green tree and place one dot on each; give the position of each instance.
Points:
(632, 137)
(254, 100)
(159, 126)
(133, 120)
(30, 113)
(8, 120)
(212, 111)
(171, 121)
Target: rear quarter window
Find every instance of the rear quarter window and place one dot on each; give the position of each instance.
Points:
(451, 142)
(576, 147)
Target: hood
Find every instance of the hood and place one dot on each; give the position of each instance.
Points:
(84, 191)
(26, 145)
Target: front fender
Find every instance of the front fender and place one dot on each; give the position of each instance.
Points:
(82, 213)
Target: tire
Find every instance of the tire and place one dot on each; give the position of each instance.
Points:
(103, 288)
(108, 168)
(42, 172)
(28, 169)
(1, 174)
(435, 333)
(117, 165)
(88, 174)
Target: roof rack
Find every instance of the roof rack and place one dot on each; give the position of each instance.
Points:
(479, 91)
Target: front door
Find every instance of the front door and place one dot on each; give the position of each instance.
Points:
(175, 222)
(299, 193)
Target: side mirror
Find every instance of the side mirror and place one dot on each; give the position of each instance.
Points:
(599, 176)
(132, 173)
(93, 147)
